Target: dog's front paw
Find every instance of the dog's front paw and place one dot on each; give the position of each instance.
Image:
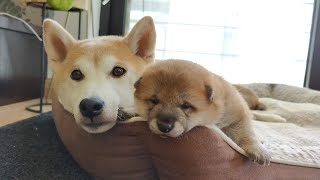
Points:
(258, 154)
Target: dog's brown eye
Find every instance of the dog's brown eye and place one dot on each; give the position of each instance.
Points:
(118, 71)
(154, 100)
(186, 105)
(77, 75)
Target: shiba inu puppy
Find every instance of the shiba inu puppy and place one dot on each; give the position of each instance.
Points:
(177, 95)
(94, 78)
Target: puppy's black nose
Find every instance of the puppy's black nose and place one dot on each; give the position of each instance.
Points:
(165, 123)
(91, 107)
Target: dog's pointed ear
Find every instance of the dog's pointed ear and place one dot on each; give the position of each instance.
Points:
(142, 39)
(209, 92)
(57, 41)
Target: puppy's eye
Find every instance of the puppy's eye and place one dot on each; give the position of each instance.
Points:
(186, 105)
(154, 100)
(76, 75)
(118, 71)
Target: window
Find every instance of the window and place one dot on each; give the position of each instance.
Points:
(244, 41)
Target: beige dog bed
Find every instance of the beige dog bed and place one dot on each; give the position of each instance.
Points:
(130, 151)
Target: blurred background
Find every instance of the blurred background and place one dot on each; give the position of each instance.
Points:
(245, 41)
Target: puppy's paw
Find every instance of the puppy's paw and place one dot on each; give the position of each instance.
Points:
(133, 119)
(267, 117)
(258, 154)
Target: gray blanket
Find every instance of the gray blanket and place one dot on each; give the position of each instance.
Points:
(31, 150)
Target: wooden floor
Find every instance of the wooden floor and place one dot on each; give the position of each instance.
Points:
(16, 112)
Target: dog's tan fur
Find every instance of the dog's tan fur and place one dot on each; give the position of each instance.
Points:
(96, 58)
(257, 107)
(250, 97)
(212, 100)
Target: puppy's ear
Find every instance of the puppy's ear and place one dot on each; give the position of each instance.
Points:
(136, 84)
(57, 41)
(142, 39)
(209, 92)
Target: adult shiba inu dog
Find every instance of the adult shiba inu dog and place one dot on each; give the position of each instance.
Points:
(94, 78)
(176, 95)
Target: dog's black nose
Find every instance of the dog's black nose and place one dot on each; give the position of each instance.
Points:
(166, 122)
(91, 107)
